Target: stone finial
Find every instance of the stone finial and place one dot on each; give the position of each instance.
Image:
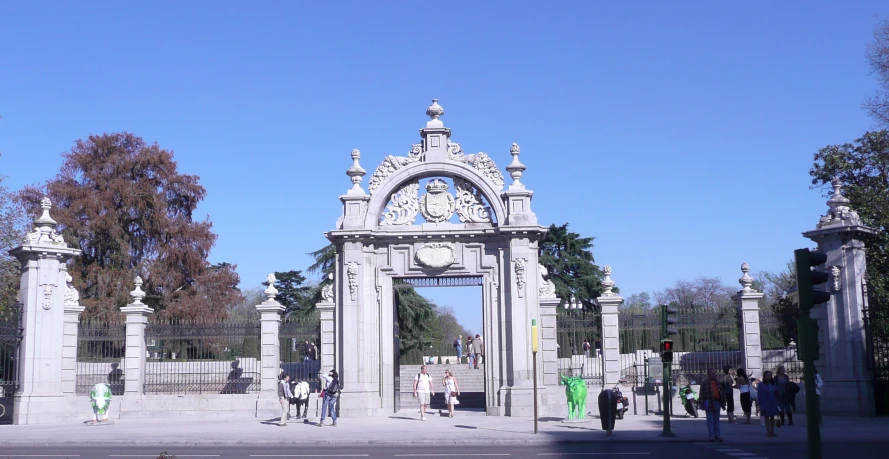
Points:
(839, 212)
(435, 111)
(515, 168)
(45, 219)
(271, 292)
(607, 284)
(44, 231)
(137, 292)
(355, 173)
(746, 281)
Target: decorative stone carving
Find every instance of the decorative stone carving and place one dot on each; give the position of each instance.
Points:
(355, 173)
(435, 255)
(403, 208)
(392, 164)
(607, 284)
(71, 294)
(515, 168)
(835, 277)
(47, 296)
(137, 292)
(44, 231)
(435, 111)
(839, 212)
(520, 275)
(352, 273)
(480, 161)
(437, 205)
(469, 205)
(545, 287)
(746, 281)
(327, 290)
(271, 292)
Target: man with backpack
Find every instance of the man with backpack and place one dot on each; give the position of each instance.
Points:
(424, 389)
(329, 395)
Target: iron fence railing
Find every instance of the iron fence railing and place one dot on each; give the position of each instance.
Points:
(10, 339)
(300, 348)
(777, 338)
(575, 331)
(187, 357)
(101, 349)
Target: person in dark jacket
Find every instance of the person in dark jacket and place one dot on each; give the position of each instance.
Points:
(711, 398)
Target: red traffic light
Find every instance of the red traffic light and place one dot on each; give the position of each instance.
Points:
(667, 345)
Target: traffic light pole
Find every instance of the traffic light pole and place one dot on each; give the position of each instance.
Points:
(668, 373)
(808, 335)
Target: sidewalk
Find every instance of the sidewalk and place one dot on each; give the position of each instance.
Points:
(405, 428)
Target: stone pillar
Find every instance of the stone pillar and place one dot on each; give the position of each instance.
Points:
(608, 303)
(69, 337)
(270, 348)
(843, 362)
(552, 397)
(42, 355)
(137, 314)
(749, 335)
(326, 308)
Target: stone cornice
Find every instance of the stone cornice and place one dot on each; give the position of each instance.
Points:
(853, 230)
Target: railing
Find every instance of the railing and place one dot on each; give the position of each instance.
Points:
(574, 331)
(187, 357)
(300, 348)
(101, 348)
(777, 338)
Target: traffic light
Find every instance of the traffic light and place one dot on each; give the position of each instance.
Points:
(669, 320)
(667, 350)
(806, 279)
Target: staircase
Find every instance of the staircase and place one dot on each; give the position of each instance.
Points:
(471, 382)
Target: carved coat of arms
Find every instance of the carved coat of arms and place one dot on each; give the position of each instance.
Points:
(437, 205)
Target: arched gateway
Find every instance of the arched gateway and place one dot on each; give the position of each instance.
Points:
(494, 245)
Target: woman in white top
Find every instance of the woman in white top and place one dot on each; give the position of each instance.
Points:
(452, 390)
(742, 382)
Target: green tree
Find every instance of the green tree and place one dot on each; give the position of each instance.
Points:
(292, 293)
(325, 264)
(569, 260)
(12, 230)
(125, 205)
(416, 320)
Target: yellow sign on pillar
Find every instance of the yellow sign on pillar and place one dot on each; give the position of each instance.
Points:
(534, 335)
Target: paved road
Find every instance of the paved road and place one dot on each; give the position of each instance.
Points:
(567, 450)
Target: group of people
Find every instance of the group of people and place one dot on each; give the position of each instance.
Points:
(310, 352)
(331, 390)
(424, 389)
(475, 350)
(773, 397)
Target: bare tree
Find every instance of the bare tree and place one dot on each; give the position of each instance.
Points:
(877, 105)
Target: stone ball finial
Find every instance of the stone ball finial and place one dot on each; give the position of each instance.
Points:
(607, 284)
(746, 281)
(137, 292)
(356, 172)
(45, 219)
(515, 168)
(435, 111)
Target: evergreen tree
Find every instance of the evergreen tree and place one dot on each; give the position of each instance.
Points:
(569, 260)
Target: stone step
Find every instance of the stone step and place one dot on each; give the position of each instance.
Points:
(467, 400)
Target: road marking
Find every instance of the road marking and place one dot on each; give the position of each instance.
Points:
(43, 455)
(450, 454)
(729, 450)
(741, 454)
(593, 454)
(308, 455)
(155, 455)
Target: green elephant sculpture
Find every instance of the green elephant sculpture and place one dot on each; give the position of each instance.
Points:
(575, 391)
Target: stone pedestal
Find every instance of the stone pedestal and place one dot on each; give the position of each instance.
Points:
(270, 364)
(328, 336)
(134, 359)
(749, 335)
(69, 347)
(610, 338)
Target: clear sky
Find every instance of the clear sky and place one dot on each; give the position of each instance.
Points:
(679, 134)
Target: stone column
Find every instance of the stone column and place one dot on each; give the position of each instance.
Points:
(747, 301)
(552, 397)
(270, 364)
(326, 308)
(608, 303)
(69, 337)
(42, 293)
(137, 314)
(843, 361)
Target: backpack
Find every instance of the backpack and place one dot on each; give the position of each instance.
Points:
(333, 387)
(792, 387)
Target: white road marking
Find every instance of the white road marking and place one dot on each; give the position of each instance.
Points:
(308, 455)
(450, 454)
(42, 455)
(594, 454)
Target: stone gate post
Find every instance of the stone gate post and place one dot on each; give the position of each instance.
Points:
(270, 322)
(69, 338)
(137, 314)
(608, 303)
(749, 334)
(327, 345)
(45, 351)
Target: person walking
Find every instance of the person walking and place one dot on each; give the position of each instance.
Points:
(284, 396)
(451, 391)
(313, 351)
(781, 383)
(458, 345)
(477, 349)
(424, 389)
(470, 357)
(711, 398)
(586, 348)
(307, 352)
(728, 385)
(767, 398)
(743, 385)
(754, 386)
(329, 394)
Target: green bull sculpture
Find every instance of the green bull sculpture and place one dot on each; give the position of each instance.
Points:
(575, 391)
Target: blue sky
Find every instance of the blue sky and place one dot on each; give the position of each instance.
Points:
(679, 134)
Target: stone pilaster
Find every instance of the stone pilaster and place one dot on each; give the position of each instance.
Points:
(328, 336)
(270, 322)
(843, 361)
(749, 335)
(608, 304)
(43, 292)
(69, 347)
(134, 358)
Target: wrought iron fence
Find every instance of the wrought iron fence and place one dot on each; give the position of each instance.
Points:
(640, 337)
(778, 341)
(577, 330)
(10, 340)
(188, 357)
(300, 347)
(101, 348)
(876, 320)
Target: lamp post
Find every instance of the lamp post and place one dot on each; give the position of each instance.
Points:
(534, 341)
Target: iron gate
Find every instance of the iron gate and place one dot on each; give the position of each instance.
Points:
(876, 323)
(10, 340)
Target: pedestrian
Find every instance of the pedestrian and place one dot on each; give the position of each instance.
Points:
(781, 383)
(477, 349)
(586, 348)
(728, 384)
(767, 398)
(313, 351)
(458, 344)
(451, 391)
(743, 385)
(329, 395)
(819, 383)
(470, 357)
(424, 389)
(284, 396)
(711, 397)
(598, 348)
(307, 352)
(754, 383)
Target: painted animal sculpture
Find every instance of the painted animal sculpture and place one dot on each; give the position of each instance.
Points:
(100, 396)
(575, 391)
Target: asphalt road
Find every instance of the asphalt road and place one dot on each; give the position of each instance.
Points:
(569, 450)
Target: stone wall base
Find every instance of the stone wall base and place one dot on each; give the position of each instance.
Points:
(37, 409)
